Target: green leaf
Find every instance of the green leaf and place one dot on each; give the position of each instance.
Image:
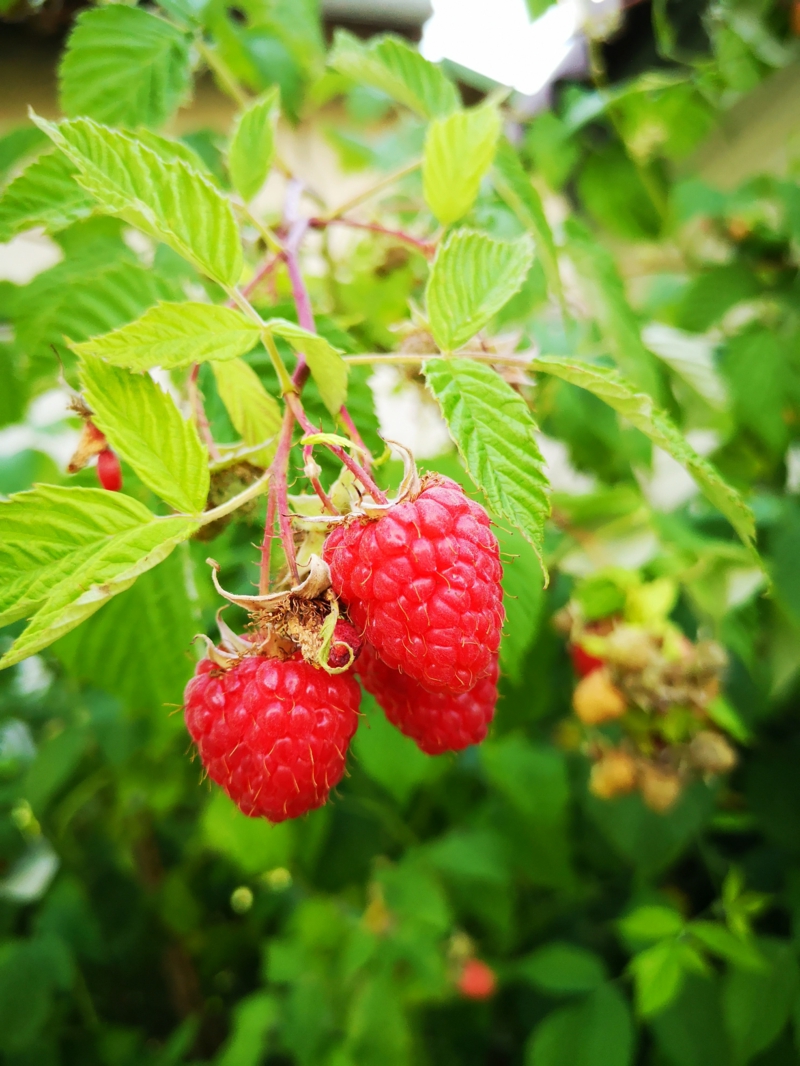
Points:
(618, 324)
(658, 974)
(251, 843)
(136, 647)
(77, 299)
(514, 186)
(327, 367)
(722, 942)
(254, 413)
(47, 533)
(563, 969)
(391, 65)
(596, 1032)
(45, 194)
(253, 1017)
(143, 424)
(67, 551)
(389, 758)
(756, 1006)
(533, 782)
(523, 600)
(640, 410)
(18, 145)
(459, 150)
(174, 335)
(651, 923)
(253, 144)
(166, 199)
(495, 435)
(690, 1031)
(472, 277)
(124, 66)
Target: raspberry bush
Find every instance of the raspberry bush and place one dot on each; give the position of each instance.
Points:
(323, 748)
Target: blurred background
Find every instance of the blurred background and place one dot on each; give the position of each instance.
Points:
(145, 922)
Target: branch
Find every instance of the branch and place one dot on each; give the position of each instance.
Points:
(367, 194)
(428, 248)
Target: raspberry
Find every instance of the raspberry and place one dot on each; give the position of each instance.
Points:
(272, 733)
(436, 721)
(477, 980)
(109, 472)
(422, 583)
(597, 699)
(583, 663)
(346, 645)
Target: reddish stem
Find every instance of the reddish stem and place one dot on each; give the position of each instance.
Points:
(196, 400)
(308, 459)
(278, 502)
(264, 272)
(354, 435)
(293, 401)
(427, 248)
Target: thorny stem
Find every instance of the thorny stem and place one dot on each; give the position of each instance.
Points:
(199, 411)
(367, 194)
(428, 248)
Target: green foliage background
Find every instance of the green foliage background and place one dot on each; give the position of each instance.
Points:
(144, 921)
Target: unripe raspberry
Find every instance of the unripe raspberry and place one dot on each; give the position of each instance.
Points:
(660, 788)
(346, 645)
(422, 583)
(272, 733)
(597, 699)
(436, 721)
(614, 774)
(583, 663)
(477, 980)
(711, 752)
(630, 647)
(109, 471)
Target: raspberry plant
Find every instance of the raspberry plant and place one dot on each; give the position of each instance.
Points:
(494, 743)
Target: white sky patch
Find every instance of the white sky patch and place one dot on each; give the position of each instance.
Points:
(499, 41)
(27, 255)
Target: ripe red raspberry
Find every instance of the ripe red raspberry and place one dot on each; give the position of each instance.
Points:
(422, 583)
(272, 733)
(436, 721)
(477, 980)
(109, 471)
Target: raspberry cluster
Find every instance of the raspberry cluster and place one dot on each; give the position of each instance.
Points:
(421, 586)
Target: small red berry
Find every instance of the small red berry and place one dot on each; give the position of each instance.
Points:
(477, 980)
(582, 662)
(109, 472)
(422, 583)
(436, 721)
(346, 645)
(272, 733)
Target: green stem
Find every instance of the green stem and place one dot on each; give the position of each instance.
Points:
(284, 377)
(235, 502)
(367, 194)
(224, 75)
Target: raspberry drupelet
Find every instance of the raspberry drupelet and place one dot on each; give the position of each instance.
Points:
(436, 721)
(272, 733)
(422, 584)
